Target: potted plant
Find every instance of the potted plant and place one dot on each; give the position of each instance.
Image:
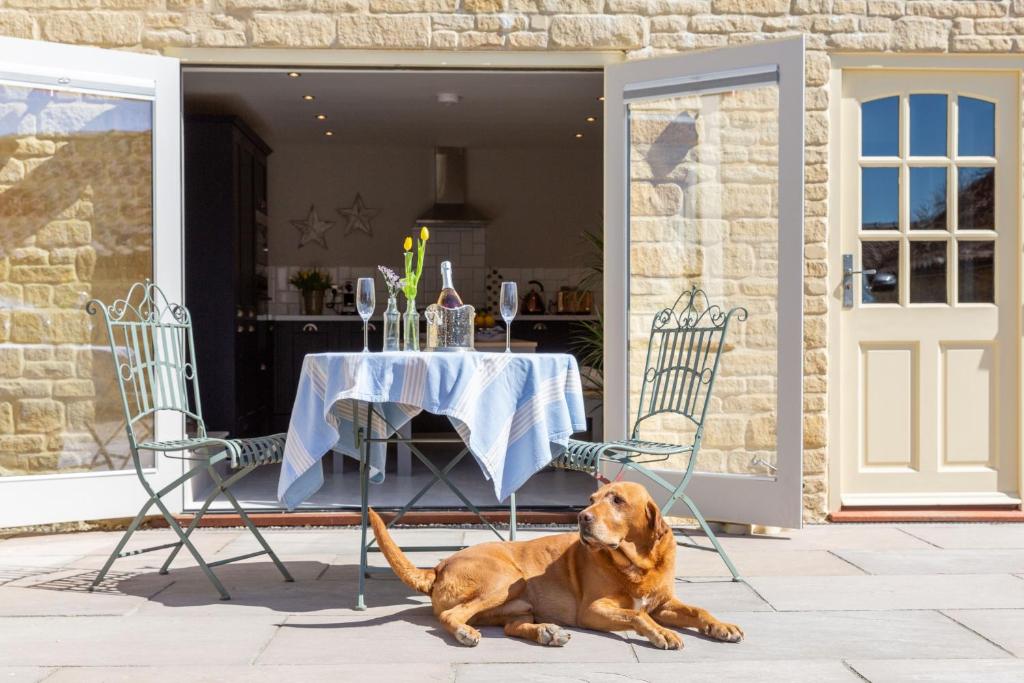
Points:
(312, 283)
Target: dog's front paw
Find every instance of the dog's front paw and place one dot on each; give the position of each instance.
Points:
(467, 635)
(664, 639)
(730, 633)
(553, 635)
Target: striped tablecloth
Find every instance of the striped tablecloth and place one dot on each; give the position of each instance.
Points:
(515, 412)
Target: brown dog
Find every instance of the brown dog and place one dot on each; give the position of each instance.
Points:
(616, 574)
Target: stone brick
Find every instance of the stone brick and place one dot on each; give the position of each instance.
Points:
(64, 233)
(39, 415)
(62, 273)
(407, 6)
(29, 256)
(73, 388)
(760, 7)
(917, 34)
(886, 8)
(569, 6)
(49, 369)
(13, 171)
(982, 44)
(444, 39)
(944, 9)
(733, 24)
(384, 31)
(39, 296)
(292, 30)
(93, 28)
(277, 5)
(21, 443)
(484, 6)
(480, 39)
(594, 31)
(80, 414)
(11, 362)
(528, 40)
(85, 263)
(6, 418)
(17, 24)
(340, 5)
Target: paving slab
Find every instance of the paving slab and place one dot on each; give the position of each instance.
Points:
(939, 670)
(1005, 627)
(135, 640)
(831, 635)
(935, 561)
(692, 672)
(822, 537)
(969, 535)
(389, 673)
(769, 561)
(950, 591)
(411, 639)
(721, 595)
(24, 674)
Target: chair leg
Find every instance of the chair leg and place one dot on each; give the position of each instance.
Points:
(226, 488)
(173, 523)
(364, 495)
(122, 543)
(711, 535)
(512, 517)
(195, 522)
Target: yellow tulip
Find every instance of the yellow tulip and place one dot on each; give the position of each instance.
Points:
(424, 233)
(408, 244)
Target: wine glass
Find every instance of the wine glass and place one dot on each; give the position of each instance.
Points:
(365, 303)
(509, 308)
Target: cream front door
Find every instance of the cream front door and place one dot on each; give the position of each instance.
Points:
(929, 343)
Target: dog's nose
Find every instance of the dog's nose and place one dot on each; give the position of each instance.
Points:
(586, 517)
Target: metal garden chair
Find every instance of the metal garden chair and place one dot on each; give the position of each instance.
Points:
(154, 360)
(683, 357)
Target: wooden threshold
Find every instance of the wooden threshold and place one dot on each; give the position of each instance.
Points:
(962, 513)
(351, 518)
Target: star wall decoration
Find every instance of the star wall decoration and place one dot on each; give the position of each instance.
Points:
(359, 216)
(312, 229)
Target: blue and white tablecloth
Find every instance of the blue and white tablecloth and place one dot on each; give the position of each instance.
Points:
(514, 411)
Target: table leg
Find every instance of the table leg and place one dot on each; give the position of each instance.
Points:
(364, 505)
(512, 517)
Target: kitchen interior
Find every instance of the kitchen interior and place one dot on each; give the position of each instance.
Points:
(291, 170)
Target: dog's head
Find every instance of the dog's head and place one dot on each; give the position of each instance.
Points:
(621, 511)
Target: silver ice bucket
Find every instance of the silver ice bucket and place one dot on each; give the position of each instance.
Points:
(450, 329)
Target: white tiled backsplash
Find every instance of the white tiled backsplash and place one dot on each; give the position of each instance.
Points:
(465, 248)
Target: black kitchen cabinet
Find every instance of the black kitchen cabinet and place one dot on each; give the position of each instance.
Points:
(225, 271)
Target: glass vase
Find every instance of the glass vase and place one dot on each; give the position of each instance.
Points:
(411, 325)
(392, 325)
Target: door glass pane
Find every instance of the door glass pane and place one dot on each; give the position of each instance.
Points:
(927, 272)
(976, 127)
(880, 127)
(880, 199)
(704, 212)
(883, 286)
(928, 125)
(928, 198)
(76, 212)
(976, 198)
(976, 265)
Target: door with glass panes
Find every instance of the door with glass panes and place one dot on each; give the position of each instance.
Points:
(929, 231)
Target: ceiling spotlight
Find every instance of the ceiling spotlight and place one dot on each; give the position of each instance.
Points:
(591, 119)
(308, 98)
(448, 98)
(600, 98)
(293, 74)
(328, 133)
(579, 135)
(321, 117)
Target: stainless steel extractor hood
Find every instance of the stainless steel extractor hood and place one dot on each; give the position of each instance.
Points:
(450, 209)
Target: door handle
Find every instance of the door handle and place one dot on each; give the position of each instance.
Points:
(848, 273)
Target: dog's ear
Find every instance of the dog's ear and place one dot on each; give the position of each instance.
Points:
(655, 521)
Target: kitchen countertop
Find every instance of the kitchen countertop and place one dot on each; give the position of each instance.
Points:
(355, 318)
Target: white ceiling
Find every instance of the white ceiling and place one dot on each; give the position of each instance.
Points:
(497, 109)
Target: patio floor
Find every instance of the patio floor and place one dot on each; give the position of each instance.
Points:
(828, 603)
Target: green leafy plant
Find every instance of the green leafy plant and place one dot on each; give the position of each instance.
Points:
(313, 279)
(589, 343)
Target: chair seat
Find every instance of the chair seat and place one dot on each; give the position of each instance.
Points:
(257, 450)
(585, 456)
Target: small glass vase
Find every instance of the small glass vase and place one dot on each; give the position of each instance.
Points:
(411, 325)
(392, 325)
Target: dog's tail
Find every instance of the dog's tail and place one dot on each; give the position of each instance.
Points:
(411, 575)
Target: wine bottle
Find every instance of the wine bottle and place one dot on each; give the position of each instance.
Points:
(448, 298)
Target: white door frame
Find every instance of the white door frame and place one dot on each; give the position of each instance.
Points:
(771, 500)
(50, 498)
(841, 63)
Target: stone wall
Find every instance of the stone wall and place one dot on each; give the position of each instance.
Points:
(640, 28)
(75, 210)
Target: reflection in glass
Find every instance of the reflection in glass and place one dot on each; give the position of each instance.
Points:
(928, 272)
(880, 199)
(76, 207)
(880, 127)
(928, 125)
(882, 257)
(704, 185)
(976, 266)
(976, 127)
(928, 198)
(976, 198)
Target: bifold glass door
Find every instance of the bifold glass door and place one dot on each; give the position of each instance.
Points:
(704, 188)
(90, 202)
